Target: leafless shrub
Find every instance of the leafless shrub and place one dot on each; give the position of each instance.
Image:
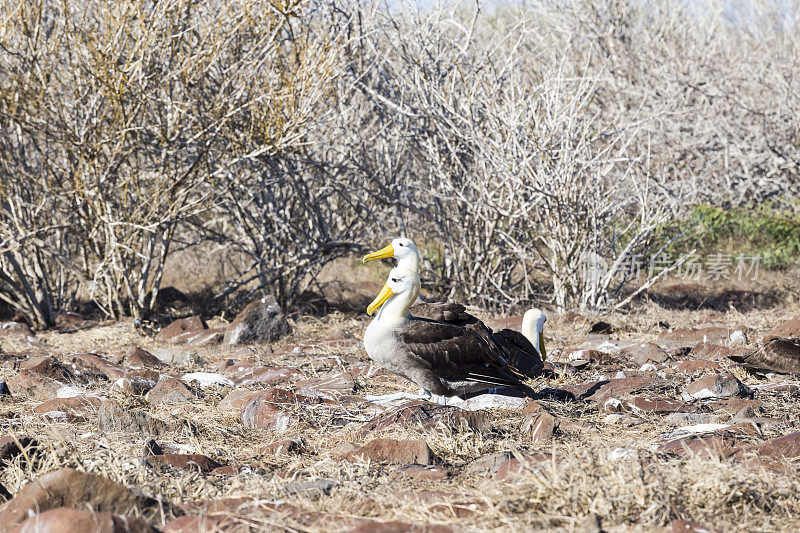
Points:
(563, 133)
(126, 113)
(508, 140)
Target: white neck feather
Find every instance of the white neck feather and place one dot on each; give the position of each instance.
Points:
(395, 309)
(409, 261)
(532, 328)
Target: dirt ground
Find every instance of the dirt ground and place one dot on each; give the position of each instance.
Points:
(639, 447)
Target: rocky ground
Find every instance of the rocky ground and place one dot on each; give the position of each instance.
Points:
(646, 425)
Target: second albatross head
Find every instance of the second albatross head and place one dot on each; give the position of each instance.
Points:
(532, 327)
(398, 293)
(402, 249)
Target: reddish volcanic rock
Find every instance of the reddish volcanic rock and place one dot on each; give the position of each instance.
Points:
(180, 326)
(487, 464)
(715, 444)
(423, 472)
(340, 382)
(71, 488)
(32, 386)
(393, 452)
(199, 338)
(75, 409)
(169, 390)
(113, 417)
(711, 352)
(47, 367)
(138, 358)
(261, 413)
(790, 328)
(67, 520)
(516, 466)
(91, 364)
(781, 448)
(250, 373)
(720, 385)
(600, 391)
(695, 366)
(691, 337)
(540, 427)
(644, 353)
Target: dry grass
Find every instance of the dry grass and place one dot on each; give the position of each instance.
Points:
(642, 491)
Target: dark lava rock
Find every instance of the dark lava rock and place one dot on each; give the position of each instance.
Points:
(260, 321)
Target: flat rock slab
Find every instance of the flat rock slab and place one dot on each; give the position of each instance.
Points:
(244, 374)
(698, 366)
(32, 386)
(691, 337)
(393, 452)
(790, 328)
(720, 385)
(169, 391)
(139, 358)
(71, 488)
(75, 409)
(711, 352)
(182, 325)
(199, 338)
(93, 367)
(778, 451)
(67, 520)
(642, 353)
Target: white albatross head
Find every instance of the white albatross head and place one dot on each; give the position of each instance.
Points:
(402, 249)
(532, 327)
(398, 293)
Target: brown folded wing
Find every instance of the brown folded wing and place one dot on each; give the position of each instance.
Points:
(450, 313)
(779, 354)
(521, 355)
(456, 353)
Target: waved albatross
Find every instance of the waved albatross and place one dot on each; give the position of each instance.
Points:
(444, 359)
(779, 354)
(525, 352)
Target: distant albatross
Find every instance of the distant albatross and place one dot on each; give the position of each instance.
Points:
(779, 354)
(444, 359)
(525, 352)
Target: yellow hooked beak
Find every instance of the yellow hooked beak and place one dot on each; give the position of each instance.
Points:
(383, 253)
(385, 294)
(542, 352)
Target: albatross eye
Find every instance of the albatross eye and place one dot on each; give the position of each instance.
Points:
(401, 244)
(395, 280)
